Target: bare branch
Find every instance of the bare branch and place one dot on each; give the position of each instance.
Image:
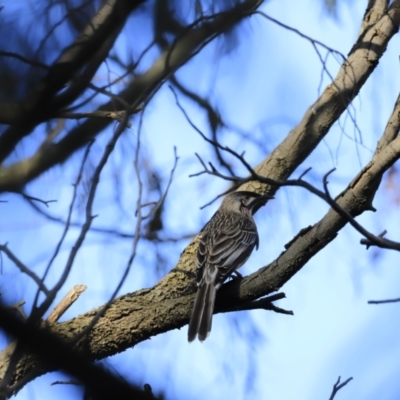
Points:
(33, 63)
(70, 382)
(100, 313)
(115, 115)
(66, 303)
(67, 223)
(264, 304)
(214, 118)
(18, 307)
(138, 91)
(45, 202)
(111, 231)
(372, 239)
(75, 65)
(162, 198)
(23, 268)
(38, 312)
(384, 301)
(337, 386)
(314, 42)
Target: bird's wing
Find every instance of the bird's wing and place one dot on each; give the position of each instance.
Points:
(226, 246)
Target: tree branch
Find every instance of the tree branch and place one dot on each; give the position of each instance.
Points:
(59, 354)
(384, 301)
(23, 268)
(65, 303)
(86, 53)
(337, 386)
(138, 91)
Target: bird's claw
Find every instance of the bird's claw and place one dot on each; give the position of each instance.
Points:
(236, 275)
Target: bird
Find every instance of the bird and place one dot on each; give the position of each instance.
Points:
(226, 242)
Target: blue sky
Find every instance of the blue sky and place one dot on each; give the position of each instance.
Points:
(261, 88)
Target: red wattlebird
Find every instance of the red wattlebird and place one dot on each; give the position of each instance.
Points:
(226, 243)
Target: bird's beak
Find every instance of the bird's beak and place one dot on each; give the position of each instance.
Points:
(259, 202)
(263, 199)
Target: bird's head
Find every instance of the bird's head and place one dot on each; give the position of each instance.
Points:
(244, 202)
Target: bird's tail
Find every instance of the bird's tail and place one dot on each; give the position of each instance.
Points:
(201, 319)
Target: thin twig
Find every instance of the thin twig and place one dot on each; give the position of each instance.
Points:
(129, 71)
(23, 268)
(337, 386)
(114, 232)
(214, 118)
(368, 242)
(68, 221)
(315, 43)
(253, 175)
(136, 238)
(118, 99)
(384, 301)
(265, 304)
(162, 198)
(377, 240)
(45, 202)
(23, 59)
(117, 115)
(39, 311)
(18, 307)
(70, 382)
(301, 34)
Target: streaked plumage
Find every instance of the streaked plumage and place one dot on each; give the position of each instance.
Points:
(226, 243)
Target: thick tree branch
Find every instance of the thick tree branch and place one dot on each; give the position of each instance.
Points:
(89, 50)
(374, 11)
(321, 115)
(57, 353)
(140, 89)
